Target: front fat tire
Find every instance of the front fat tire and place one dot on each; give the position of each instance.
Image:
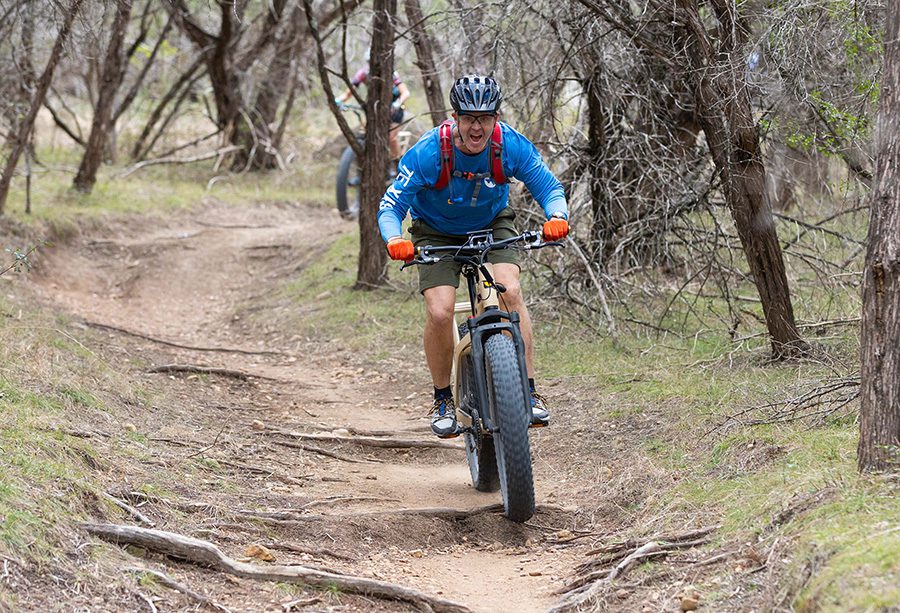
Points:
(480, 453)
(347, 195)
(507, 398)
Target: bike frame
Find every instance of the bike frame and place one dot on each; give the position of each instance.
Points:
(485, 318)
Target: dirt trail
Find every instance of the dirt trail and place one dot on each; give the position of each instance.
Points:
(196, 280)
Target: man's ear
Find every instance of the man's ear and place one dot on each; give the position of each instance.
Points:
(453, 115)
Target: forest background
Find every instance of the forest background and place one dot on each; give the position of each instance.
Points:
(731, 170)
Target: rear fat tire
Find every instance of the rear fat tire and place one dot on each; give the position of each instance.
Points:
(508, 410)
(348, 195)
(480, 452)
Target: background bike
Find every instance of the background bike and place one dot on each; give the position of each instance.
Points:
(490, 379)
(349, 172)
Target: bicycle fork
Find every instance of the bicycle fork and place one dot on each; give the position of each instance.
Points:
(478, 333)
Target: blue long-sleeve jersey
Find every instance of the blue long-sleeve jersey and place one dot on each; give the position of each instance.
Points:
(451, 210)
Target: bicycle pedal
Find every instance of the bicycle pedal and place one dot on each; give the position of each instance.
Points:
(539, 424)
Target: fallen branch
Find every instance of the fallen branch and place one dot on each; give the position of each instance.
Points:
(205, 553)
(629, 544)
(208, 370)
(590, 574)
(370, 441)
(180, 160)
(170, 583)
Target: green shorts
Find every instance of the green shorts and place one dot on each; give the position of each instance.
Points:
(447, 272)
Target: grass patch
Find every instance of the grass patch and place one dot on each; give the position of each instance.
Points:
(362, 320)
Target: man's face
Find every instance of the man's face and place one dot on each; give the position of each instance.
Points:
(475, 130)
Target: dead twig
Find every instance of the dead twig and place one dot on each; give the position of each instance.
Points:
(211, 445)
(301, 602)
(128, 509)
(149, 602)
(205, 553)
(179, 160)
(644, 551)
(170, 583)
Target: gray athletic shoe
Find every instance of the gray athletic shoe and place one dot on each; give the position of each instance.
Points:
(443, 418)
(540, 416)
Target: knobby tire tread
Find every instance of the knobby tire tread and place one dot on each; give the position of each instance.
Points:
(508, 408)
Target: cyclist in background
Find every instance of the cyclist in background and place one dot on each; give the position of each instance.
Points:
(399, 95)
(453, 181)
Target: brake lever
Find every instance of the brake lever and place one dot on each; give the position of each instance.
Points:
(545, 244)
(423, 260)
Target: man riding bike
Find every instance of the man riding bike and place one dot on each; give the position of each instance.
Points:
(399, 95)
(445, 204)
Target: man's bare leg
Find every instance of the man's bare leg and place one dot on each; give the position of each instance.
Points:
(438, 338)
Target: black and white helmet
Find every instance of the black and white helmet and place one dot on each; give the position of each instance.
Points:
(476, 94)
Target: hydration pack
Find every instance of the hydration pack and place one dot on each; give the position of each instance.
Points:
(495, 158)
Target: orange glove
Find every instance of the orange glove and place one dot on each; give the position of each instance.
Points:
(555, 229)
(401, 249)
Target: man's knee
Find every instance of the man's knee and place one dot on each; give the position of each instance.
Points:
(508, 276)
(439, 304)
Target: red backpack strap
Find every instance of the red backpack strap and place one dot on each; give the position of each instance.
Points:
(496, 155)
(445, 134)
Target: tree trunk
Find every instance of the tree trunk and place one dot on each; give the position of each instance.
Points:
(471, 19)
(181, 86)
(371, 271)
(879, 423)
(431, 78)
(601, 222)
(21, 139)
(261, 141)
(726, 116)
(218, 53)
(111, 75)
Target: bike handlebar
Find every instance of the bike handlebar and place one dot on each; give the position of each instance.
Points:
(477, 247)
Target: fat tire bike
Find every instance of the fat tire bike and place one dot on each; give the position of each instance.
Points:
(349, 172)
(489, 376)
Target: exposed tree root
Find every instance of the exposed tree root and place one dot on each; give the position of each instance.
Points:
(206, 554)
(324, 452)
(208, 370)
(312, 551)
(99, 326)
(369, 441)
